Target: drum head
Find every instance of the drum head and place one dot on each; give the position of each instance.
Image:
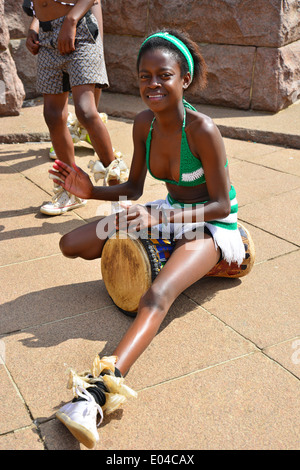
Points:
(126, 271)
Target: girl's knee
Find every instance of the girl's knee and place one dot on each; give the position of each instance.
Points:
(66, 246)
(86, 115)
(156, 301)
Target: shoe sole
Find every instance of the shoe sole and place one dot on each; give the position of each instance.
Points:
(80, 433)
(62, 211)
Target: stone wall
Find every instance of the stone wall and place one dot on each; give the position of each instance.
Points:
(251, 47)
(11, 88)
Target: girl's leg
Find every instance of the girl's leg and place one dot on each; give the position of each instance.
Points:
(56, 115)
(87, 115)
(184, 267)
(87, 241)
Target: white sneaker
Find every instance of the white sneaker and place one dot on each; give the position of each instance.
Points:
(61, 202)
(81, 418)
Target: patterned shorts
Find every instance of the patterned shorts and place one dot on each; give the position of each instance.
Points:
(56, 73)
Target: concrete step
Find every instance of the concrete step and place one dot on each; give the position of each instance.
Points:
(281, 129)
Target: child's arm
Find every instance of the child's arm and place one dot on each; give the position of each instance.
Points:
(66, 38)
(32, 41)
(76, 181)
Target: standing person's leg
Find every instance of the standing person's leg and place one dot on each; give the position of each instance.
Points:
(86, 69)
(110, 166)
(69, 119)
(87, 114)
(97, 12)
(98, 93)
(53, 83)
(56, 115)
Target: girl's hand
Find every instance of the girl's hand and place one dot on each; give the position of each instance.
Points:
(137, 218)
(32, 42)
(66, 38)
(72, 179)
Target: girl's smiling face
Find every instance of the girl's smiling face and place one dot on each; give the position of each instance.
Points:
(160, 80)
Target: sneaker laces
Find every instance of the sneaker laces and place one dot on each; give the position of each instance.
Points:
(61, 196)
(83, 393)
(117, 169)
(102, 370)
(98, 169)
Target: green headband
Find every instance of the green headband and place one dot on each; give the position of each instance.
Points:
(179, 44)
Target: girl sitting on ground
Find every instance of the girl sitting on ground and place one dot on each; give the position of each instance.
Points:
(183, 148)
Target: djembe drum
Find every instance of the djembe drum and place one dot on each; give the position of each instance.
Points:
(129, 265)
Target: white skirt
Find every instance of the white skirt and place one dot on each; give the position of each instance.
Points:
(229, 241)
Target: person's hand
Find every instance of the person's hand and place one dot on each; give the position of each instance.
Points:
(66, 38)
(136, 218)
(72, 179)
(32, 42)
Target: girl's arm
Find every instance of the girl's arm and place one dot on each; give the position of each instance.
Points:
(76, 181)
(208, 143)
(133, 188)
(212, 152)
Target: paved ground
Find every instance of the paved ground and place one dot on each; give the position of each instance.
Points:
(223, 371)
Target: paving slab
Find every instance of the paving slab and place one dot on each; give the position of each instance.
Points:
(285, 160)
(253, 182)
(38, 353)
(43, 355)
(24, 439)
(14, 414)
(33, 236)
(268, 246)
(239, 405)
(263, 306)
(47, 289)
(287, 354)
(278, 215)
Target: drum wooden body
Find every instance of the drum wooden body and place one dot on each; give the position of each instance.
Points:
(223, 269)
(130, 265)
